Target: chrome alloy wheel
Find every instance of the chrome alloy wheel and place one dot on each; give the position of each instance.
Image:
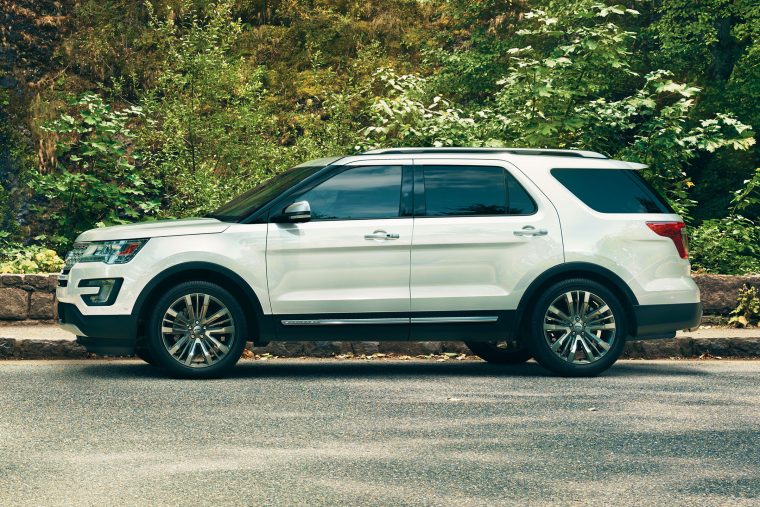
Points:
(198, 330)
(579, 327)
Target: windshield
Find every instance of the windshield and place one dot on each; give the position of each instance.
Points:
(253, 200)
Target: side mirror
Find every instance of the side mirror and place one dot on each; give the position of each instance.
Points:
(297, 212)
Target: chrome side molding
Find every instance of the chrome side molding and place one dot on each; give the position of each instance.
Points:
(454, 320)
(391, 320)
(343, 322)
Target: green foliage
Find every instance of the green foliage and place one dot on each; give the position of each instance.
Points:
(209, 131)
(561, 63)
(728, 245)
(97, 181)
(568, 85)
(17, 258)
(15, 159)
(747, 311)
(749, 196)
(182, 104)
(664, 137)
(575, 65)
(204, 110)
(714, 44)
(403, 116)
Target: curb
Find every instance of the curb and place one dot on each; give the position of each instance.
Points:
(678, 348)
(11, 348)
(687, 347)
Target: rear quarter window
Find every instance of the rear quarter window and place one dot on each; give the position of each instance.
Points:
(612, 190)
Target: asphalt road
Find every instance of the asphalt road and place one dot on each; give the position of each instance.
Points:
(379, 433)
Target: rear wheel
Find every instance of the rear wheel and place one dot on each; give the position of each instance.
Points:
(197, 330)
(578, 328)
(500, 352)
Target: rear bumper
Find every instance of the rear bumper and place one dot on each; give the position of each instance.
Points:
(662, 321)
(100, 334)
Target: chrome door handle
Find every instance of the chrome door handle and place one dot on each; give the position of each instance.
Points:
(380, 234)
(529, 230)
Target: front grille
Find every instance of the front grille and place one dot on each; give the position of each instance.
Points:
(74, 256)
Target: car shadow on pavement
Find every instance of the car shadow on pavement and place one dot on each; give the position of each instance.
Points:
(368, 369)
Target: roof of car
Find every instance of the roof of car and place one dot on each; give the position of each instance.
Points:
(513, 151)
(545, 157)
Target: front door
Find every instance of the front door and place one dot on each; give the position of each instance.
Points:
(482, 233)
(345, 273)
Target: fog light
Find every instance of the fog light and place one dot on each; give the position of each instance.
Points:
(106, 295)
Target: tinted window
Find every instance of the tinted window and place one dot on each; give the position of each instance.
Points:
(520, 203)
(361, 192)
(253, 200)
(612, 190)
(474, 190)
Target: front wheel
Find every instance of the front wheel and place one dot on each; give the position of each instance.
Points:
(197, 330)
(500, 352)
(141, 351)
(578, 328)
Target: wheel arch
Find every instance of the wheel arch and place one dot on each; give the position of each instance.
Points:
(208, 272)
(570, 270)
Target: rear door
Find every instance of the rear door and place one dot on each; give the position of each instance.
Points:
(483, 232)
(345, 273)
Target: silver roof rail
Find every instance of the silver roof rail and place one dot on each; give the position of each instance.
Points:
(513, 151)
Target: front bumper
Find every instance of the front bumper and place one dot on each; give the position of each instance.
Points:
(662, 321)
(100, 334)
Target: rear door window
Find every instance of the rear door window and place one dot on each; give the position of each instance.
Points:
(612, 190)
(473, 191)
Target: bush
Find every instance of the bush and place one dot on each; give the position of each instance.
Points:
(747, 311)
(728, 245)
(96, 180)
(17, 258)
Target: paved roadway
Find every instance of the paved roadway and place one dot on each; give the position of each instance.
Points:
(332, 432)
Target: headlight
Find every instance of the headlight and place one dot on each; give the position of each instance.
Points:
(110, 252)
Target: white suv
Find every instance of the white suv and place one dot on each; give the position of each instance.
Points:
(557, 255)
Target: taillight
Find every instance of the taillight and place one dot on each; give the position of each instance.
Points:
(675, 231)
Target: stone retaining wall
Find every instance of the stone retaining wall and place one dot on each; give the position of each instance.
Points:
(719, 292)
(31, 297)
(27, 297)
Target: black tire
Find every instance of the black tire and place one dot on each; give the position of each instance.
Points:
(141, 351)
(234, 341)
(577, 364)
(509, 352)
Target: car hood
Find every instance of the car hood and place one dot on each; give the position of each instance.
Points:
(155, 229)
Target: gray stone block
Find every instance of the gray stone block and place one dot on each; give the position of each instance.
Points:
(41, 306)
(14, 303)
(12, 280)
(38, 282)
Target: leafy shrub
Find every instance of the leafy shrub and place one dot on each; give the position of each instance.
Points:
(97, 181)
(728, 245)
(17, 258)
(747, 311)
(208, 127)
(567, 86)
